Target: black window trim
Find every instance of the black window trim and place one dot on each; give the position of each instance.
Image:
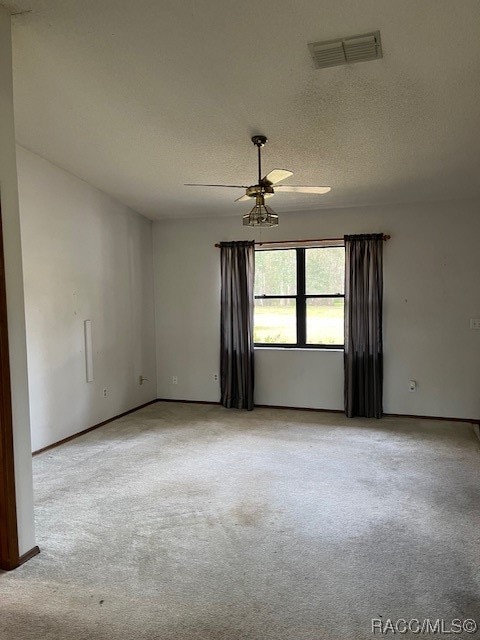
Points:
(301, 298)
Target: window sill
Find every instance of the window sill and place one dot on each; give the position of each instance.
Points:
(279, 348)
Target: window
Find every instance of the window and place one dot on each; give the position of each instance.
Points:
(299, 297)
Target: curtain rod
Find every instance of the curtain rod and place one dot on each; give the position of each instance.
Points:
(385, 238)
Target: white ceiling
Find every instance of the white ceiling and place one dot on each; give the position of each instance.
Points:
(139, 97)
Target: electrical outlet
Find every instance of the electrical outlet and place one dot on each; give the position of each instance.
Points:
(412, 385)
(174, 380)
(105, 392)
(215, 377)
(141, 380)
(474, 323)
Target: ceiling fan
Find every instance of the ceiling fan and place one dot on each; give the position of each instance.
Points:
(262, 215)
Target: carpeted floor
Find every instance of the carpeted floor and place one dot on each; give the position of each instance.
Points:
(193, 522)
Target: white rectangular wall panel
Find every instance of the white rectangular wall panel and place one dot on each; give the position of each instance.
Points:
(88, 350)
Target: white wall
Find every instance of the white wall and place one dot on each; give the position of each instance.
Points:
(86, 257)
(431, 290)
(14, 283)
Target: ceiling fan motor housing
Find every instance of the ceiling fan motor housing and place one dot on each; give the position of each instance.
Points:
(260, 189)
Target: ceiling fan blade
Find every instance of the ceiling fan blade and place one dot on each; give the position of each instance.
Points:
(243, 198)
(232, 186)
(290, 188)
(277, 175)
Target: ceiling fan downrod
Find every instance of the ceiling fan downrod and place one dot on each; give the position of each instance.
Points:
(259, 141)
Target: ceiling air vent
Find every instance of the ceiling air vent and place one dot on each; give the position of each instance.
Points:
(346, 50)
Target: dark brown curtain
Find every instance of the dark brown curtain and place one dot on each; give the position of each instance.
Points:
(236, 341)
(363, 325)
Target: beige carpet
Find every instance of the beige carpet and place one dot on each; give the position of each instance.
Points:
(184, 522)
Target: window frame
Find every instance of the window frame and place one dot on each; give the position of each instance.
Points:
(300, 298)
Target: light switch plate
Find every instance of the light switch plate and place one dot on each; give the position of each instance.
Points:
(474, 323)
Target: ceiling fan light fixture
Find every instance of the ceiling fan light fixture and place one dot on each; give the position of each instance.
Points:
(261, 215)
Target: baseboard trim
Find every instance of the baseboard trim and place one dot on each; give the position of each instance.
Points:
(476, 428)
(17, 562)
(407, 415)
(188, 401)
(473, 421)
(28, 556)
(95, 426)
(392, 415)
(279, 406)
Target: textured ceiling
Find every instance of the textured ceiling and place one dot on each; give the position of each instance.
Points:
(139, 97)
